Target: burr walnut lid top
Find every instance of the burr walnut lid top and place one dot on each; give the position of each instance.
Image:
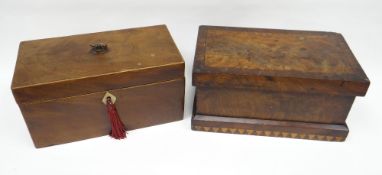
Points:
(278, 60)
(87, 63)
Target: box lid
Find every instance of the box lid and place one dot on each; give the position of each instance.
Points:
(82, 64)
(277, 60)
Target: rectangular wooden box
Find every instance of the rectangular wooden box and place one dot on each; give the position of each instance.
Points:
(298, 84)
(59, 83)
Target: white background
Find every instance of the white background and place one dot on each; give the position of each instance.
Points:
(173, 148)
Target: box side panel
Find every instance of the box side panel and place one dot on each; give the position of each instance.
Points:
(317, 108)
(82, 117)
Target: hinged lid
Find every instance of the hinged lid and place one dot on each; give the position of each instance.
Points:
(81, 64)
(277, 60)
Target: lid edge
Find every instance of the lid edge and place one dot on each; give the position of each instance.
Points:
(103, 82)
(281, 84)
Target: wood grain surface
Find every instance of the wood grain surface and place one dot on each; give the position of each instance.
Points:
(81, 117)
(135, 56)
(284, 83)
(279, 60)
(315, 108)
(59, 83)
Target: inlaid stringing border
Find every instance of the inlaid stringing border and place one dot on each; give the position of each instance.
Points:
(269, 133)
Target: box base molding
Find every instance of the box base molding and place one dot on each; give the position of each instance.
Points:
(272, 128)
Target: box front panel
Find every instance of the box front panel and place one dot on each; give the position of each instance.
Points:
(316, 108)
(80, 117)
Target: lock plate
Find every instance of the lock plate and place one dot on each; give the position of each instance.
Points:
(108, 94)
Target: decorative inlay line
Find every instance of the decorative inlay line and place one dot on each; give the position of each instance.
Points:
(270, 133)
(215, 129)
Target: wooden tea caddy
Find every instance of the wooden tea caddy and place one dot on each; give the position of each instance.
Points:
(282, 83)
(60, 83)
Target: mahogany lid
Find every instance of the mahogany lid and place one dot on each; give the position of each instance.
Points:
(277, 60)
(82, 64)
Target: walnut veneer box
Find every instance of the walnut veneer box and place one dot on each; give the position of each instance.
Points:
(59, 83)
(283, 83)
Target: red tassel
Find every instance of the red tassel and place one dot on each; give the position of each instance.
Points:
(118, 130)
